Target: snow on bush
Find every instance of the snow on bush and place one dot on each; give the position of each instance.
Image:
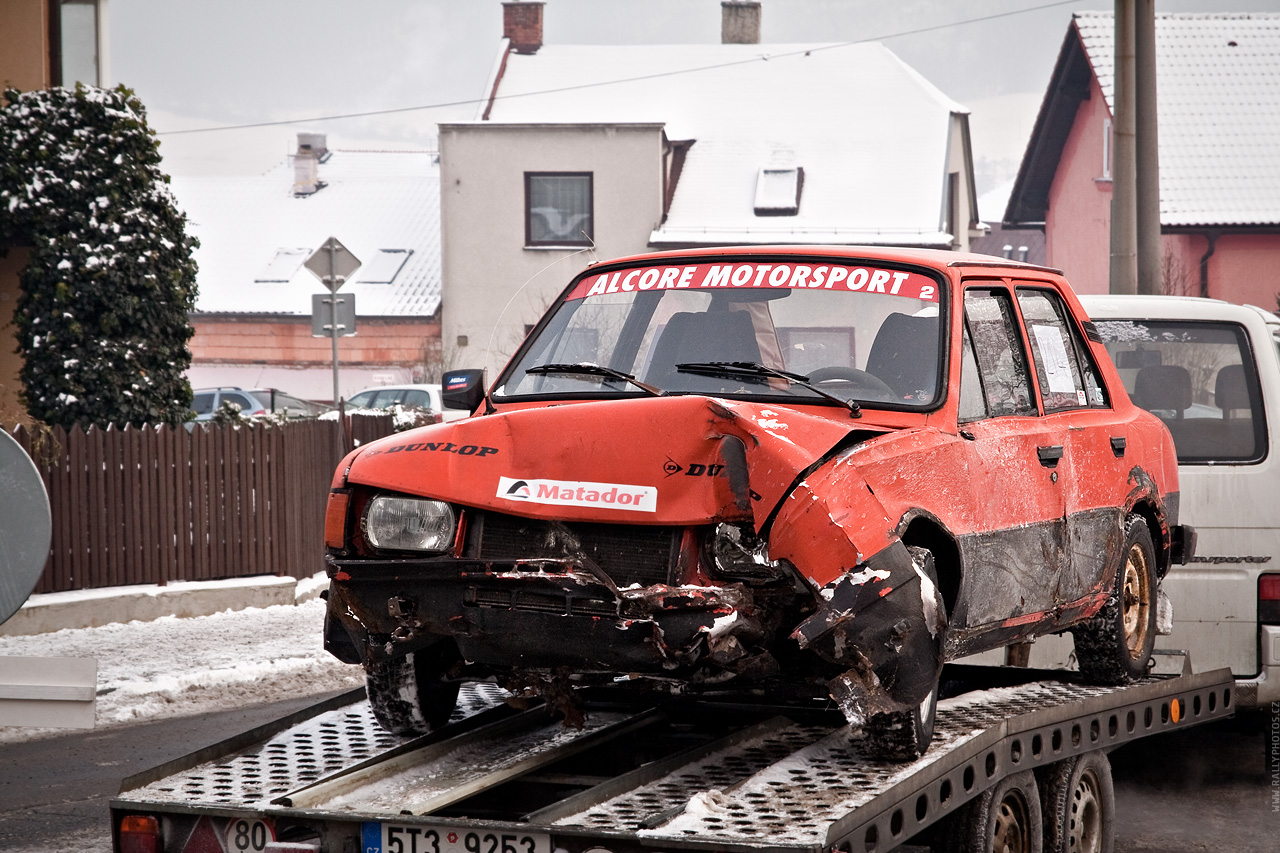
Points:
(102, 318)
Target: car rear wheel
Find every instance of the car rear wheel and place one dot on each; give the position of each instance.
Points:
(1115, 645)
(408, 695)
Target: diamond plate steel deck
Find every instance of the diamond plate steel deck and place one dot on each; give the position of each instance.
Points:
(321, 746)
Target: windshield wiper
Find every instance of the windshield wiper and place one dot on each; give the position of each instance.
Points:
(751, 368)
(586, 368)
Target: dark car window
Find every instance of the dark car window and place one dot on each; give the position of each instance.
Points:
(202, 404)
(997, 346)
(1067, 375)
(415, 397)
(1197, 377)
(245, 403)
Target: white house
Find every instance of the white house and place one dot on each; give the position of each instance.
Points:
(583, 152)
(253, 312)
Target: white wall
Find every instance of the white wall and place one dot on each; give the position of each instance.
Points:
(492, 284)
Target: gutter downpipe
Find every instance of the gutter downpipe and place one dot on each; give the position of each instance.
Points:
(1212, 238)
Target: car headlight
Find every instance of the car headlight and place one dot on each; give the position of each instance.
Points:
(409, 524)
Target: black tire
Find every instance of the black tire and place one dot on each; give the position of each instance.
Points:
(407, 694)
(1115, 646)
(1079, 805)
(902, 735)
(1003, 819)
(905, 735)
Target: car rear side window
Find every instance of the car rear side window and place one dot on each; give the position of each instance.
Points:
(1067, 375)
(997, 347)
(202, 404)
(1197, 377)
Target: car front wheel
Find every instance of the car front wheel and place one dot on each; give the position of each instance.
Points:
(408, 695)
(1115, 645)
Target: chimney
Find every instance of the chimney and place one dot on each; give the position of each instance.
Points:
(740, 22)
(306, 163)
(522, 25)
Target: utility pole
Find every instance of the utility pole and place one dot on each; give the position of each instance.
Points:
(1135, 196)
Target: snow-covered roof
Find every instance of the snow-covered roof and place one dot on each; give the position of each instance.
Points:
(255, 234)
(870, 134)
(1218, 102)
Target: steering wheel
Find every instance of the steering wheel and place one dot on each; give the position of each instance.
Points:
(853, 376)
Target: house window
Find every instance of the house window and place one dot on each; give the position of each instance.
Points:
(282, 266)
(558, 209)
(1106, 150)
(778, 191)
(384, 266)
(78, 42)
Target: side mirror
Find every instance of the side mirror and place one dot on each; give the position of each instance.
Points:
(462, 389)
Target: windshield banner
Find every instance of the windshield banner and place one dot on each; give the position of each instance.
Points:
(750, 274)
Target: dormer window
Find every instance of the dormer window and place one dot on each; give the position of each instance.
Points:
(282, 266)
(383, 267)
(778, 191)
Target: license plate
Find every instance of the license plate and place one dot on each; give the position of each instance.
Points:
(419, 838)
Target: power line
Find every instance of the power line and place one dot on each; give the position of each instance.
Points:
(580, 86)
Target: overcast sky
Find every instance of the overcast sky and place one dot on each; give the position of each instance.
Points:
(200, 64)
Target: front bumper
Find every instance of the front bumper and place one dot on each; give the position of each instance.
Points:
(513, 616)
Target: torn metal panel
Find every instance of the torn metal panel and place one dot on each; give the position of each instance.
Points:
(886, 622)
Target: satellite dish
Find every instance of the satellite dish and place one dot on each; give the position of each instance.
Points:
(26, 526)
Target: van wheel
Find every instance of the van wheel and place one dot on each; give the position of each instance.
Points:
(1079, 805)
(1003, 819)
(1115, 645)
(407, 694)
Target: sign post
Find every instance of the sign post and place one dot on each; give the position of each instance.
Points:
(333, 263)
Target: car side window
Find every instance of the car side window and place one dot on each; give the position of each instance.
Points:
(1068, 378)
(240, 400)
(973, 407)
(414, 397)
(997, 348)
(202, 404)
(1200, 378)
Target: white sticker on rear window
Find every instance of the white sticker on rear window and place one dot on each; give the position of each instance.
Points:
(1054, 359)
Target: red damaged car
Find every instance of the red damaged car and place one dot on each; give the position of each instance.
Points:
(783, 470)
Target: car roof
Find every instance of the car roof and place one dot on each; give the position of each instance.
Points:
(937, 258)
(1120, 306)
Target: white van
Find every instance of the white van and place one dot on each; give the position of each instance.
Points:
(1211, 371)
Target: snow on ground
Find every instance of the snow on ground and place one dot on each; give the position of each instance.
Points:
(174, 667)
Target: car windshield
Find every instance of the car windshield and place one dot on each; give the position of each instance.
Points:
(859, 333)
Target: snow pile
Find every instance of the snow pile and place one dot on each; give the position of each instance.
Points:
(173, 667)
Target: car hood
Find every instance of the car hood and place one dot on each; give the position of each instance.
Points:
(670, 460)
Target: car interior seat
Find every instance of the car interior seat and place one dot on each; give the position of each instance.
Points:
(698, 337)
(1231, 395)
(904, 355)
(1165, 390)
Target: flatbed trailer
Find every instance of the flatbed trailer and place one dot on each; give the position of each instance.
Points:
(643, 772)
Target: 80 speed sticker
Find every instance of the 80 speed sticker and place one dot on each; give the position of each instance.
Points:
(401, 838)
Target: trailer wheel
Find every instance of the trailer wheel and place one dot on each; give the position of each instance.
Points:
(1003, 819)
(1114, 646)
(1079, 805)
(408, 695)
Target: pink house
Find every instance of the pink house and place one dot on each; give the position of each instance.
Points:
(1218, 81)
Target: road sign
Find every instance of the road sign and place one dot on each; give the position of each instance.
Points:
(25, 526)
(333, 263)
(322, 314)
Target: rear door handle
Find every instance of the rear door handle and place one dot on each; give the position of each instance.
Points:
(1050, 456)
(1118, 445)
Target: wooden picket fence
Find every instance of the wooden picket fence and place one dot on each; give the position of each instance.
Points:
(157, 504)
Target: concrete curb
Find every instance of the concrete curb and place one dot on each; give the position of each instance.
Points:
(92, 608)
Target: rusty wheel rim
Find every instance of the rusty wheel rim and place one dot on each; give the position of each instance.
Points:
(1085, 835)
(1136, 605)
(1012, 825)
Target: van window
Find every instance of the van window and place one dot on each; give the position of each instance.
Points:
(1197, 377)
